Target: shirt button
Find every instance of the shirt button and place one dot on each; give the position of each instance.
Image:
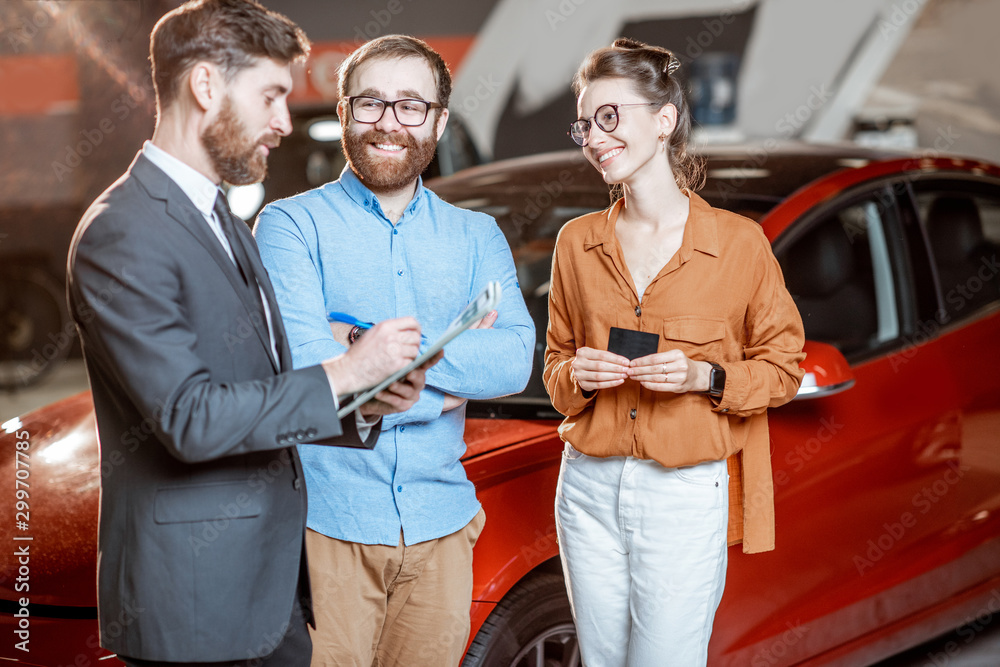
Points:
(402, 428)
(400, 272)
(638, 311)
(395, 231)
(632, 413)
(399, 488)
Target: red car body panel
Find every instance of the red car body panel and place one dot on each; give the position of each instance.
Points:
(887, 500)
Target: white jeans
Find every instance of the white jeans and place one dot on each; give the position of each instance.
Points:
(644, 553)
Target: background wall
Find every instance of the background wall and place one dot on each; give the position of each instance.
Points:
(76, 98)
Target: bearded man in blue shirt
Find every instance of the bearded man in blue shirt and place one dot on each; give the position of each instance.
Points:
(391, 530)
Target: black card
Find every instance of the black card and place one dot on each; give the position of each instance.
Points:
(632, 344)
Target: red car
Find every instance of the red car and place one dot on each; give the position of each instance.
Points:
(886, 467)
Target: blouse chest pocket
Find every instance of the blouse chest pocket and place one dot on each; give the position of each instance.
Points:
(697, 337)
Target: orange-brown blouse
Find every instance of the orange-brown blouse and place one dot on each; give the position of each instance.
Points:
(720, 298)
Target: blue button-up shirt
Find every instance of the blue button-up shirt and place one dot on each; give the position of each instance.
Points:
(333, 249)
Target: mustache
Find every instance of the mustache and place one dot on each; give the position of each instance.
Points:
(374, 136)
(270, 139)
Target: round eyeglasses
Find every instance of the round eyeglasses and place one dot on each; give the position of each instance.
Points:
(606, 118)
(370, 110)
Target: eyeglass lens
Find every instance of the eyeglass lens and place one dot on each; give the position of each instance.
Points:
(606, 118)
(371, 110)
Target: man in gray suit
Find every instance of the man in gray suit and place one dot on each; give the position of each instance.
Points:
(203, 509)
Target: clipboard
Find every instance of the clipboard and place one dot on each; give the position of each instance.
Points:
(486, 301)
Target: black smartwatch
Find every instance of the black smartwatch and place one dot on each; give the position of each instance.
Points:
(716, 381)
(355, 334)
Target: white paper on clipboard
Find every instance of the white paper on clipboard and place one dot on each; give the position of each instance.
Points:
(486, 301)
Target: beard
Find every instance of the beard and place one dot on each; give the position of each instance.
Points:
(235, 155)
(387, 174)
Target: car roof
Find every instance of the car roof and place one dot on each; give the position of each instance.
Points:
(767, 171)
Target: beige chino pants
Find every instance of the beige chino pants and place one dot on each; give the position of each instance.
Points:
(383, 606)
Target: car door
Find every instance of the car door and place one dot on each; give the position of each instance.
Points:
(959, 216)
(850, 469)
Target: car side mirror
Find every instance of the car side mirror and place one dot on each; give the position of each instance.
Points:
(827, 371)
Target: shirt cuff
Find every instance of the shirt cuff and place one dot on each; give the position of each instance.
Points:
(364, 426)
(333, 390)
(734, 395)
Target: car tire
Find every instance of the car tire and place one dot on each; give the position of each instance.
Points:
(532, 625)
(35, 331)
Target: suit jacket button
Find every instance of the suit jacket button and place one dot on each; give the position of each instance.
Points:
(311, 433)
(297, 484)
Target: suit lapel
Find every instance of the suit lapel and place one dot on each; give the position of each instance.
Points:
(180, 208)
(250, 247)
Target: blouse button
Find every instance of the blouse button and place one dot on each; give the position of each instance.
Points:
(638, 311)
(632, 413)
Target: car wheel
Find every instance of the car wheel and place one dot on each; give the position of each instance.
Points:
(531, 627)
(35, 336)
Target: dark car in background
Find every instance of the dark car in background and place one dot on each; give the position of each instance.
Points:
(36, 334)
(886, 466)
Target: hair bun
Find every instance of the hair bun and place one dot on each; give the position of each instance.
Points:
(672, 65)
(628, 43)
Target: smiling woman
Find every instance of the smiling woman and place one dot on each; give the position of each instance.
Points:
(650, 424)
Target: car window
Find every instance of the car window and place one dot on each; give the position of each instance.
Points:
(842, 268)
(531, 233)
(962, 226)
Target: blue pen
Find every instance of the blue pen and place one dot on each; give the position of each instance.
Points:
(347, 319)
(335, 316)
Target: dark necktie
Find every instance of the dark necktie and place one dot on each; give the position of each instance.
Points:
(229, 222)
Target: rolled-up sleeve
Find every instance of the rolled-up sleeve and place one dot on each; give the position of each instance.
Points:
(560, 343)
(769, 375)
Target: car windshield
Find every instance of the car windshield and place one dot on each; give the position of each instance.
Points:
(531, 216)
(532, 199)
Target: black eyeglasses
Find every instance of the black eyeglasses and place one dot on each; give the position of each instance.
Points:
(606, 119)
(370, 110)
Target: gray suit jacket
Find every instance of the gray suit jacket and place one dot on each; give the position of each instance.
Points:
(203, 503)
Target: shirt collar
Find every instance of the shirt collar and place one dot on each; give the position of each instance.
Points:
(700, 231)
(366, 199)
(198, 187)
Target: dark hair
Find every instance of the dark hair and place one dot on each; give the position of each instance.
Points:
(232, 34)
(398, 46)
(651, 70)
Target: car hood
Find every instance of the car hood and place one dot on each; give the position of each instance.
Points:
(62, 477)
